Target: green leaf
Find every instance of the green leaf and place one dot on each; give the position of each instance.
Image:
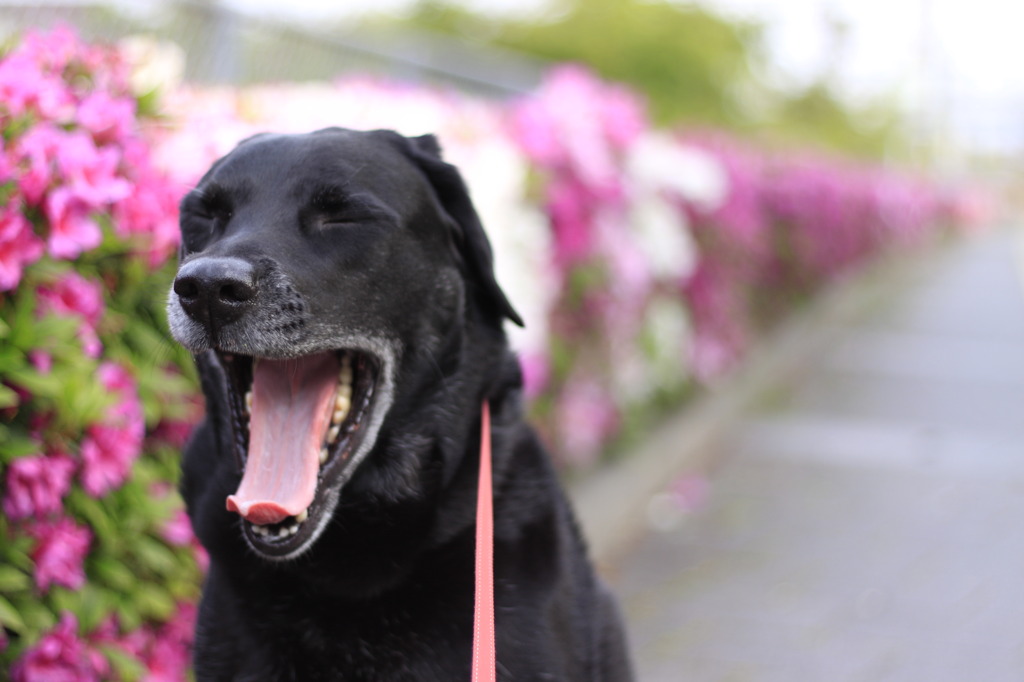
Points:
(92, 607)
(10, 618)
(46, 385)
(13, 446)
(126, 667)
(92, 511)
(8, 397)
(154, 603)
(114, 574)
(13, 580)
(16, 553)
(128, 614)
(36, 615)
(63, 599)
(155, 555)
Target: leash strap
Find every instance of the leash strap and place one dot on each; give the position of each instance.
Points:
(484, 665)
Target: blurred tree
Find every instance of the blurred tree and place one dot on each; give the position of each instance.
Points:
(695, 67)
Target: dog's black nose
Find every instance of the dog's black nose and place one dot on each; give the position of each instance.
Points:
(215, 290)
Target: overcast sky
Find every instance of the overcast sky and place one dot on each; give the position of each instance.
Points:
(956, 59)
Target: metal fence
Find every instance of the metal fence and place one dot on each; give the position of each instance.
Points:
(225, 46)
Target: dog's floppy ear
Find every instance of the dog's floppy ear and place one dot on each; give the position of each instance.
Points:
(469, 238)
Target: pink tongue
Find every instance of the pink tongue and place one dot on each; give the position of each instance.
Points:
(292, 402)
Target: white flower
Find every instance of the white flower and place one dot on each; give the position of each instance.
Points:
(657, 162)
(155, 64)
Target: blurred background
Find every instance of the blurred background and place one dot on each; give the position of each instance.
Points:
(768, 254)
(926, 81)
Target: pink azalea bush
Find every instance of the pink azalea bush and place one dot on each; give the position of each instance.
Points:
(90, 586)
(784, 226)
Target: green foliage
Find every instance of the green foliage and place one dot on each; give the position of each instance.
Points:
(695, 67)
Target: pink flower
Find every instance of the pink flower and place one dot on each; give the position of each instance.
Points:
(60, 656)
(52, 50)
(110, 447)
(168, 657)
(36, 151)
(577, 124)
(72, 229)
(36, 485)
(109, 119)
(72, 178)
(19, 246)
(164, 650)
(151, 210)
(60, 549)
(117, 378)
(568, 206)
(173, 432)
(74, 295)
(167, 660)
(587, 417)
(536, 373)
(91, 172)
(41, 360)
(178, 529)
(719, 320)
(107, 455)
(27, 86)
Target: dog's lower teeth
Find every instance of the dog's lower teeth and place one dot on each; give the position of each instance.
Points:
(248, 401)
(323, 455)
(332, 435)
(302, 515)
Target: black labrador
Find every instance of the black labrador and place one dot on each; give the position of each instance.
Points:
(337, 291)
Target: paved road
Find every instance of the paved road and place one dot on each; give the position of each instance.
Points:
(869, 526)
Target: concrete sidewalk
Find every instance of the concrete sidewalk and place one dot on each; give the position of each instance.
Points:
(868, 525)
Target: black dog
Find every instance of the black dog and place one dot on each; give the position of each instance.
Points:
(337, 291)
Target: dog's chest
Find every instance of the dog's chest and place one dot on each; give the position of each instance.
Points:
(311, 642)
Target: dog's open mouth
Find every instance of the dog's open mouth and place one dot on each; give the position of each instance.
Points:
(297, 424)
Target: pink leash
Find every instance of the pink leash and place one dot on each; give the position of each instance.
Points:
(484, 665)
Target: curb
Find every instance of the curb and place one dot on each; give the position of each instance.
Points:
(612, 502)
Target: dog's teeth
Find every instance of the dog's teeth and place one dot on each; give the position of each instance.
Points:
(332, 434)
(323, 455)
(260, 530)
(302, 515)
(248, 401)
(292, 530)
(341, 407)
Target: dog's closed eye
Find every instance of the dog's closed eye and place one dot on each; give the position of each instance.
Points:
(204, 213)
(332, 206)
(212, 202)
